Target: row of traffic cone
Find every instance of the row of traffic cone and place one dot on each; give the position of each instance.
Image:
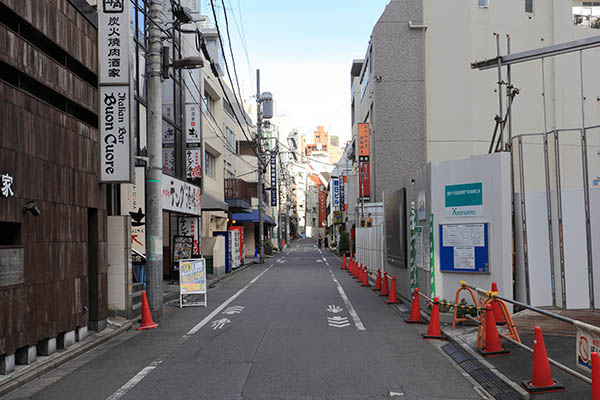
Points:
(361, 273)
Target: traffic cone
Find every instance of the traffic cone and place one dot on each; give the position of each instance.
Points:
(350, 266)
(415, 310)
(492, 340)
(595, 376)
(147, 322)
(344, 262)
(496, 306)
(384, 286)
(393, 297)
(434, 331)
(365, 280)
(541, 377)
(378, 281)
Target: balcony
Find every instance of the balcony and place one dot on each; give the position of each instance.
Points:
(238, 194)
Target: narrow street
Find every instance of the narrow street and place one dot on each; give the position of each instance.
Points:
(296, 328)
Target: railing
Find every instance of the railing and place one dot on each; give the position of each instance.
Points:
(238, 189)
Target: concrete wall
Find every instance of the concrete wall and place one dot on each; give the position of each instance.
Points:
(119, 263)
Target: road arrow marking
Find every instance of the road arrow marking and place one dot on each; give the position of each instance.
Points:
(233, 310)
(334, 309)
(338, 322)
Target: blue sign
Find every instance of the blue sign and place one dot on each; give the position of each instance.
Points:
(335, 183)
(342, 196)
(274, 180)
(464, 248)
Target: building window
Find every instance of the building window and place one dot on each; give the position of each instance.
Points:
(230, 138)
(483, 3)
(364, 80)
(209, 164)
(587, 14)
(529, 6)
(208, 104)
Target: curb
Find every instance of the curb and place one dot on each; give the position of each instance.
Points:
(57, 359)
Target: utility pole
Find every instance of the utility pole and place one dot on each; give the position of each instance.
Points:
(154, 226)
(259, 150)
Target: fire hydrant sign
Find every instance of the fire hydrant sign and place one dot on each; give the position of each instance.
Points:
(588, 341)
(192, 280)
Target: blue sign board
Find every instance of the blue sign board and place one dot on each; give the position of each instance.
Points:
(464, 248)
(335, 183)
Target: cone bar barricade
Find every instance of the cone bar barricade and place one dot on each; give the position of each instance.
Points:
(434, 331)
(365, 280)
(541, 377)
(415, 310)
(492, 339)
(497, 310)
(378, 281)
(344, 262)
(147, 322)
(595, 376)
(393, 297)
(384, 285)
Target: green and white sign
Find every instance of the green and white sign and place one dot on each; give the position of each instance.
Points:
(464, 200)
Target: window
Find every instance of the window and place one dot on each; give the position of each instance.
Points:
(208, 104)
(364, 80)
(529, 6)
(209, 164)
(230, 138)
(483, 3)
(587, 15)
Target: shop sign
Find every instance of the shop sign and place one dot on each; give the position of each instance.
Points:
(180, 196)
(192, 276)
(365, 180)
(363, 142)
(7, 188)
(189, 226)
(342, 194)
(274, 180)
(335, 183)
(193, 163)
(168, 156)
(115, 145)
(192, 123)
(464, 200)
(133, 203)
(113, 42)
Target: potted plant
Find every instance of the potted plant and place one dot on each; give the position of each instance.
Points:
(343, 245)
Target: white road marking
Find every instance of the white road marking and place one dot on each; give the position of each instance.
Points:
(334, 309)
(133, 381)
(219, 323)
(145, 371)
(338, 322)
(357, 322)
(217, 310)
(233, 310)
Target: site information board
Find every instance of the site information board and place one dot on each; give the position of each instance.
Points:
(464, 248)
(192, 279)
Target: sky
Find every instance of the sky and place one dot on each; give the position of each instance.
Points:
(304, 50)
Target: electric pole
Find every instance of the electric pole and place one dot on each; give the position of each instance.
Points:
(259, 150)
(154, 226)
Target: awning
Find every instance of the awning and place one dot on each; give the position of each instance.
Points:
(252, 217)
(209, 203)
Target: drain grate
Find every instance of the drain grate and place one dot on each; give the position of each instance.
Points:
(492, 384)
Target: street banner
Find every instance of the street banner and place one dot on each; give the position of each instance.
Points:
(192, 280)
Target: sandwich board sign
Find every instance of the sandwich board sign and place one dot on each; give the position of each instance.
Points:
(192, 280)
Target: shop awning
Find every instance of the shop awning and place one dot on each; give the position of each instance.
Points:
(252, 217)
(209, 203)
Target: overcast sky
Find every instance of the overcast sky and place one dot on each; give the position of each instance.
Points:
(304, 50)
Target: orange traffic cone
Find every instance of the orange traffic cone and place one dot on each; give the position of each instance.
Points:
(384, 285)
(492, 340)
(434, 331)
(393, 297)
(147, 322)
(344, 262)
(365, 279)
(595, 376)
(496, 306)
(356, 271)
(541, 379)
(378, 281)
(415, 310)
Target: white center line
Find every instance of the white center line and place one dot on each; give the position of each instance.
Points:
(145, 371)
(357, 322)
(133, 381)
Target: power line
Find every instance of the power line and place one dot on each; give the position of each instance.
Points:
(237, 81)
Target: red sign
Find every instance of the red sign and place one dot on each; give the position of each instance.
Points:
(363, 140)
(322, 207)
(365, 180)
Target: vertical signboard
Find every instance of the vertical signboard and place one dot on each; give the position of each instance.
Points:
(335, 183)
(342, 194)
(363, 161)
(113, 78)
(274, 180)
(193, 163)
(133, 202)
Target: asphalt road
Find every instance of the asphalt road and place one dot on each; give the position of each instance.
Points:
(297, 327)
